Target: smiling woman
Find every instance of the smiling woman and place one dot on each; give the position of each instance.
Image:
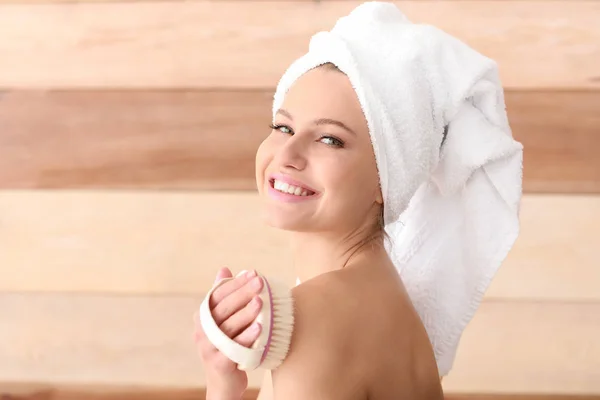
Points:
(127, 164)
(408, 139)
(321, 145)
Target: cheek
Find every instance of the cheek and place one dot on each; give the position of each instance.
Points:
(264, 155)
(358, 185)
(345, 182)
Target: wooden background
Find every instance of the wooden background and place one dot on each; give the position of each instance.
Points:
(127, 138)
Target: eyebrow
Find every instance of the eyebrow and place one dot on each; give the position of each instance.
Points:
(320, 121)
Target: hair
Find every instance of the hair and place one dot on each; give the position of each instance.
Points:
(331, 66)
(377, 234)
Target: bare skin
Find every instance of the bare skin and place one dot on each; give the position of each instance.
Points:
(356, 334)
(358, 337)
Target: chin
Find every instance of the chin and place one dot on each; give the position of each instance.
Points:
(285, 224)
(286, 221)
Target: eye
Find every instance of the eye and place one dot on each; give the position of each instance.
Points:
(281, 128)
(332, 141)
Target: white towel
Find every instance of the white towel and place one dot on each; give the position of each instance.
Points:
(451, 208)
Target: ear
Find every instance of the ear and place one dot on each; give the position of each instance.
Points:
(379, 197)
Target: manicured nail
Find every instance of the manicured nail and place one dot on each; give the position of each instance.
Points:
(256, 283)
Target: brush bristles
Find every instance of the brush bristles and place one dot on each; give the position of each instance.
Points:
(283, 325)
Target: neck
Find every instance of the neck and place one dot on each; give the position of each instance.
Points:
(317, 253)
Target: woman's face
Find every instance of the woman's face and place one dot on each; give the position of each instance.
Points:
(316, 170)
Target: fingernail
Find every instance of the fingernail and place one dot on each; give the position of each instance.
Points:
(257, 282)
(251, 273)
(256, 301)
(255, 327)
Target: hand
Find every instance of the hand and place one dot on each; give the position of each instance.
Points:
(234, 306)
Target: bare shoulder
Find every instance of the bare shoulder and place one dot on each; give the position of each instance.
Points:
(356, 336)
(321, 353)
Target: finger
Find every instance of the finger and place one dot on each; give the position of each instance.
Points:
(198, 332)
(229, 287)
(237, 300)
(249, 335)
(220, 363)
(239, 321)
(204, 346)
(198, 336)
(223, 273)
(196, 318)
(206, 349)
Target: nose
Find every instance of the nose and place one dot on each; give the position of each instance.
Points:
(292, 154)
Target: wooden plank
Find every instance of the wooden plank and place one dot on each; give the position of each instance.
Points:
(94, 340)
(132, 242)
(86, 392)
(553, 396)
(516, 396)
(558, 239)
(173, 243)
(208, 139)
(133, 139)
(267, 1)
(560, 132)
(50, 393)
(145, 343)
(54, 393)
(529, 348)
(538, 44)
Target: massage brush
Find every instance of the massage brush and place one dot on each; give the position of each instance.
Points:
(276, 318)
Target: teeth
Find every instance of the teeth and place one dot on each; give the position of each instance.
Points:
(289, 189)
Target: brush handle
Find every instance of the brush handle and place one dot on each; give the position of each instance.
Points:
(247, 359)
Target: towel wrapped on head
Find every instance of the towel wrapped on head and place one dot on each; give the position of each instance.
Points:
(450, 171)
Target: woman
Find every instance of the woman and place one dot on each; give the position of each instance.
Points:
(354, 153)
(320, 144)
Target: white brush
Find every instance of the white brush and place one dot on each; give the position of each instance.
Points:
(276, 318)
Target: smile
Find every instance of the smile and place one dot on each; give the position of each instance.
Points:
(290, 191)
(286, 188)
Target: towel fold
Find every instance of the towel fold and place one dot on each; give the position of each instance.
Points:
(449, 169)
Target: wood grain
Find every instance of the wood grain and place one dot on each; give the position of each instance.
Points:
(560, 132)
(113, 139)
(124, 242)
(529, 348)
(538, 44)
(208, 139)
(52, 391)
(174, 243)
(516, 396)
(105, 342)
(145, 342)
(49, 392)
